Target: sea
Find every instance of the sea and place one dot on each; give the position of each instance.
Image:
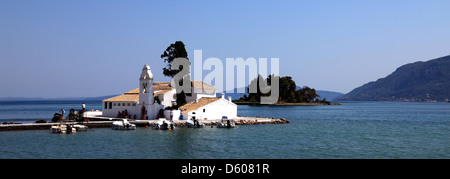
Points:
(385, 130)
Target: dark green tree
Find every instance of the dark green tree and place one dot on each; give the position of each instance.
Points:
(175, 50)
(287, 89)
(288, 92)
(308, 94)
(181, 99)
(256, 97)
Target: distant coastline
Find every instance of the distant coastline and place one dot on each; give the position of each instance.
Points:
(4, 99)
(284, 104)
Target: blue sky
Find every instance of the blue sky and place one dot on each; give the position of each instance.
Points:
(52, 48)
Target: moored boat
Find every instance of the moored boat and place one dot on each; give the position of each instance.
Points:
(123, 125)
(163, 124)
(62, 129)
(193, 123)
(226, 123)
(80, 127)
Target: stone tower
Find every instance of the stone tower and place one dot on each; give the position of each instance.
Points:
(146, 86)
(146, 98)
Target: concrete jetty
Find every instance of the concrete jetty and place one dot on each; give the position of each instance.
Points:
(106, 122)
(47, 126)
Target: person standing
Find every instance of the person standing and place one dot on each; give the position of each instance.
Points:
(84, 110)
(62, 114)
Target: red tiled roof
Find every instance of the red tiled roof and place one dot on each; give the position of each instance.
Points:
(193, 105)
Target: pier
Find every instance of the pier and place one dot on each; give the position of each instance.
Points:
(106, 122)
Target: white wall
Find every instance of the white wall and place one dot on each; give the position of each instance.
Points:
(167, 98)
(175, 114)
(93, 113)
(152, 110)
(214, 111)
(132, 110)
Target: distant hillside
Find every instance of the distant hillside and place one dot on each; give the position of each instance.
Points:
(329, 95)
(21, 99)
(419, 81)
(57, 99)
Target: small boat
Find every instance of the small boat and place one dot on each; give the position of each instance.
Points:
(163, 124)
(62, 129)
(226, 123)
(192, 123)
(123, 125)
(80, 127)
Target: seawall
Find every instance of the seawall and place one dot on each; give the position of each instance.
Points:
(101, 122)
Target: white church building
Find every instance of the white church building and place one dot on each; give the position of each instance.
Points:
(151, 99)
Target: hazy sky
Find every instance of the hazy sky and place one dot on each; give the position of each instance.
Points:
(98, 47)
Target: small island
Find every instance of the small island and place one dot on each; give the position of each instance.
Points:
(289, 94)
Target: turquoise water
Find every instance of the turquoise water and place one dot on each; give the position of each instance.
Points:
(352, 130)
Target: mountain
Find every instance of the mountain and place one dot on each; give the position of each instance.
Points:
(419, 81)
(329, 95)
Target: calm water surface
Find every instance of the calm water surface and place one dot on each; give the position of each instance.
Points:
(352, 130)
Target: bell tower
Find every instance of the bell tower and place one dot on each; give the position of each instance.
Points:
(146, 86)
